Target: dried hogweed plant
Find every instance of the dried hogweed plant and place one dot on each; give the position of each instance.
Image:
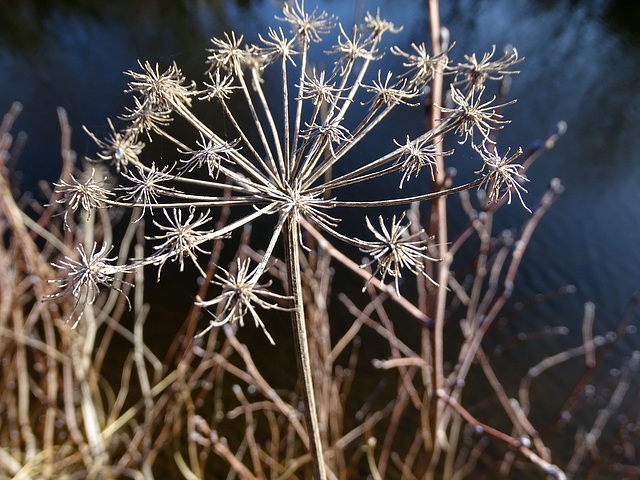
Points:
(280, 165)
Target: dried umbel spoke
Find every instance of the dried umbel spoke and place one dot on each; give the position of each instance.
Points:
(396, 249)
(501, 177)
(83, 277)
(241, 296)
(472, 74)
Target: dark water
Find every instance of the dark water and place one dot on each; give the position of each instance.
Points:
(582, 65)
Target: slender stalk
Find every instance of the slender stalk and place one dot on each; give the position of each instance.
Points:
(236, 156)
(302, 347)
(257, 87)
(256, 120)
(437, 226)
(285, 97)
(403, 201)
(298, 119)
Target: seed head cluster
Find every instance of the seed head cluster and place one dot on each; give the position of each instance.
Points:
(277, 153)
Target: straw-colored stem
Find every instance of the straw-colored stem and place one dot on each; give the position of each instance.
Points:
(298, 119)
(406, 200)
(302, 347)
(256, 120)
(287, 146)
(235, 155)
(257, 87)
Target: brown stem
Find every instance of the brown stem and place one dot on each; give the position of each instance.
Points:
(546, 467)
(437, 226)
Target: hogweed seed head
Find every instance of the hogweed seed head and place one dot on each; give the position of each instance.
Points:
(416, 154)
(228, 54)
(241, 296)
(330, 132)
(89, 194)
(471, 114)
(316, 89)
(181, 239)
(306, 27)
(212, 153)
(378, 25)
(275, 157)
(384, 94)
(278, 47)
(147, 186)
(501, 177)
(472, 74)
(119, 148)
(351, 48)
(219, 88)
(421, 66)
(83, 277)
(145, 118)
(395, 249)
(161, 90)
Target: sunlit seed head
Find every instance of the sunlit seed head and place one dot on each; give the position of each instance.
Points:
(287, 152)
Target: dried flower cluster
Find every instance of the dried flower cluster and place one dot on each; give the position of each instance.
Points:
(278, 166)
(84, 277)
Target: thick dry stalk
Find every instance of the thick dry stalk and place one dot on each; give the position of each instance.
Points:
(302, 347)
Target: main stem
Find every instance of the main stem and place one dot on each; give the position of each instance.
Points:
(292, 252)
